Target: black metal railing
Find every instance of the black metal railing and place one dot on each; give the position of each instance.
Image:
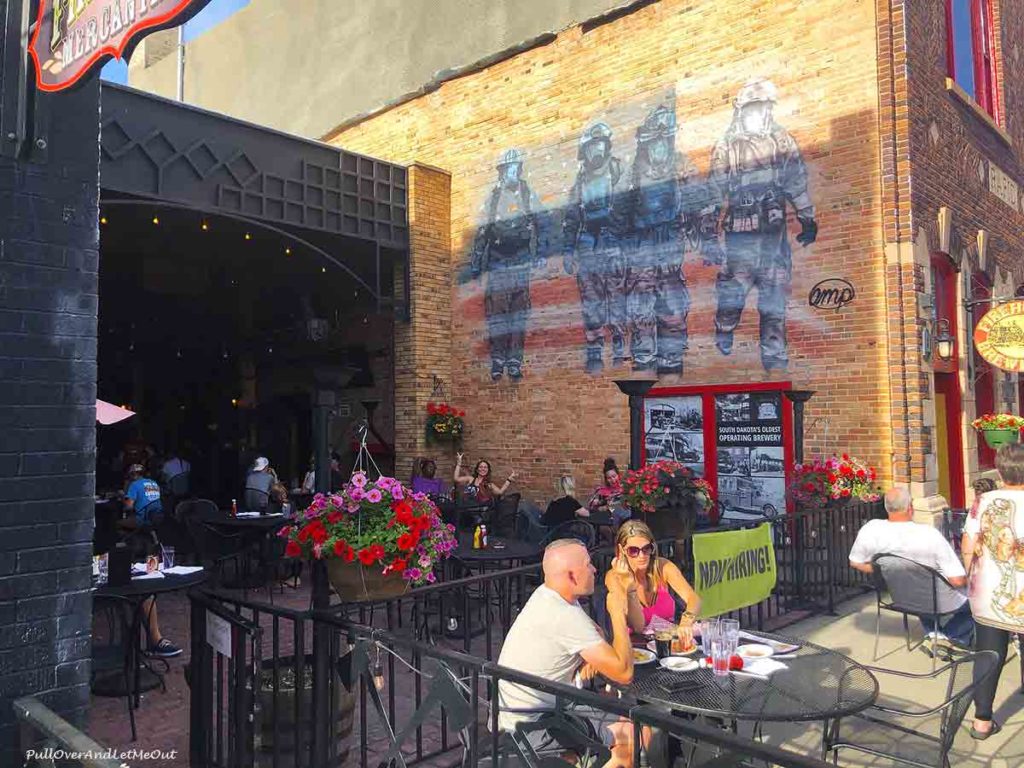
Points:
(47, 739)
(264, 706)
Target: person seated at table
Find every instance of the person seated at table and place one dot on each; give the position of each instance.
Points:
(425, 481)
(478, 488)
(257, 485)
(924, 544)
(175, 472)
(279, 503)
(566, 507)
(652, 580)
(553, 638)
(608, 496)
(141, 500)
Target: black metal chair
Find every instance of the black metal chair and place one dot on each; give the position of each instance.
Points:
(909, 588)
(255, 500)
(578, 529)
(914, 743)
(212, 544)
(501, 518)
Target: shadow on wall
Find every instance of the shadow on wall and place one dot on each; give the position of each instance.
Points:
(624, 210)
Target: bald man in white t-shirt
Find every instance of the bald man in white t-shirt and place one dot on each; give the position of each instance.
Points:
(553, 638)
(900, 535)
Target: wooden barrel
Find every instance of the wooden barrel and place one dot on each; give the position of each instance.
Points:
(281, 730)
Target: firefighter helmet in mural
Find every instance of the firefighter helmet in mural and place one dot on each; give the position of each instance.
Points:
(661, 123)
(511, 157)
(598, 132)
(756, 90)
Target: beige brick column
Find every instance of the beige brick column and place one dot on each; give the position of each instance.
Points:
(423, 345)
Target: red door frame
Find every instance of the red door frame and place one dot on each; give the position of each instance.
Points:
(707, 394)
(947, 375)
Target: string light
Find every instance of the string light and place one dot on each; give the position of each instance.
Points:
(156, 219)
(323, 269)
(103, 219)
(287, 251)
(248, 236)
(234, 401)
(204, 226)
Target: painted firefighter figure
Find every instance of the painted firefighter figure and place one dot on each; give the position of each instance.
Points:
(664, 200)
(505, 248)
(593, 231)
(756, 169)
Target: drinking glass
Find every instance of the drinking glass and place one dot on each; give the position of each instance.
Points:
(168, 557)
(663, 643)
(720, 654)
(731, 631)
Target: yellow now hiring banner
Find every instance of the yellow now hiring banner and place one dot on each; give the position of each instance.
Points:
(733, 569)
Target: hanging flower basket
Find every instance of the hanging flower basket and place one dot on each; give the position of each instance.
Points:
(998, 429)
(996, 438)
(356, 583)
(833, 483)
(444, 423)
(667, 497)
(378, 538)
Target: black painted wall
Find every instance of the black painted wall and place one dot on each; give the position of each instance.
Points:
(49, 242)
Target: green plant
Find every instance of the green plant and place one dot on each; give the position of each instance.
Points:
(998, 421)
(381, 524)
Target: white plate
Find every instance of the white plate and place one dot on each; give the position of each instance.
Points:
(648, 656)
(652, 647)
(678, 664)
(755, 651)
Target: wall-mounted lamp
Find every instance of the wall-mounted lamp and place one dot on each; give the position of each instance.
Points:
(943, 341)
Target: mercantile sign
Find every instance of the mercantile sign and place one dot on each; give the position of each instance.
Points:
(72, 37)
(999, 336)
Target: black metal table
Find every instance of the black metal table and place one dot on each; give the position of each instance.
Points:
(135, 593)
(818, 684)
(256, 531)
(500, 551)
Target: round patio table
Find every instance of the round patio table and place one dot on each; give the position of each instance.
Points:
(135, 593)
(818, 684)
(512, 550)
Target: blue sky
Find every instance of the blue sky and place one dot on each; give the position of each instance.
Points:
(213, 14)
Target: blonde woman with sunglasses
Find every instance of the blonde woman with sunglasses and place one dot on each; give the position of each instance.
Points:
(649, 581)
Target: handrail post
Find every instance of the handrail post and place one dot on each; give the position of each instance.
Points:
(321, 667)
(200, 717)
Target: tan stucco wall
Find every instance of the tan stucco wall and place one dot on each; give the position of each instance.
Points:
(306, 71)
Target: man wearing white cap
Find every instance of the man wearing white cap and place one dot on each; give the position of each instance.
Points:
(257, 485)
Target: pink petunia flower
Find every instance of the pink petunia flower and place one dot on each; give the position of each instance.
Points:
(359, 479)
(374, 496)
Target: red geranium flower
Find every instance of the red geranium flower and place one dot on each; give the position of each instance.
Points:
(431, 409)
(846, 492)
(366, 556)
(319, 534)
(292, 549)
(334, 517)
(407, 541)
(399, 565)
(304, 533)
(378, 551)
(341, 547)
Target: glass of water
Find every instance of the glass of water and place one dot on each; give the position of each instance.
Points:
(168, 557)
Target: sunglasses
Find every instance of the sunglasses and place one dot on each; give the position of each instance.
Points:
(646, 549)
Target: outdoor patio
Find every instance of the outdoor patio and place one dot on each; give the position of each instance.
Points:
(163, 718)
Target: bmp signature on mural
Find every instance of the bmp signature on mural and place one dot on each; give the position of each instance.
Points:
(626, 226)
(833, 293)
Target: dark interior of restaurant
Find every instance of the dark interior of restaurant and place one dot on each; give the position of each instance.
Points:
(216, 332)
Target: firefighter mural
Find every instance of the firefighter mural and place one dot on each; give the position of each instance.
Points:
(593, 230)
(756, 171)
(663, 197)
(505, 248)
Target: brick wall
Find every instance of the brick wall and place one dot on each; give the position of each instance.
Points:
(822, 58)
(952, 149)
(48, 300)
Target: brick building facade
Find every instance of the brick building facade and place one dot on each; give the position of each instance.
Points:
(864, 145)
(49, 241)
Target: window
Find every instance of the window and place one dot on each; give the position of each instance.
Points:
(970, 55)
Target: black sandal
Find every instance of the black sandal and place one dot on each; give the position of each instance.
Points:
(982, 735)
